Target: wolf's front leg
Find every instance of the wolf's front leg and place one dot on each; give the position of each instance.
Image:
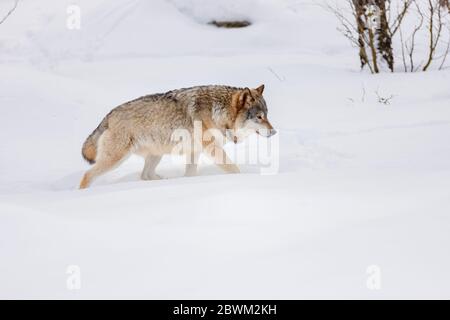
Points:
(229, 168)
(221, 160)
(191, 164)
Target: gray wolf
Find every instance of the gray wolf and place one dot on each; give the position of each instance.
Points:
(144, 126)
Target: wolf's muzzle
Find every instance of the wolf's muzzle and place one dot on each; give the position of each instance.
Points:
(266, 132)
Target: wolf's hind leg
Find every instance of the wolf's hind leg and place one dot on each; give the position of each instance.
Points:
(112, 150)
(151, 161)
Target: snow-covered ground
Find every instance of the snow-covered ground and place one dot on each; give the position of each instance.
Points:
(360, 183)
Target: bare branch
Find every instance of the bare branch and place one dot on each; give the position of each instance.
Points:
(447, 50)
(402, 42)
(401, 15)
(434, 29)
(384, 100)
(10, 12)
(413, 39)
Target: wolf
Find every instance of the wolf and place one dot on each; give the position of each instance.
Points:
(144, 126)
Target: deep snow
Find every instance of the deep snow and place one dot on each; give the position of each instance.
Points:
(360, 183)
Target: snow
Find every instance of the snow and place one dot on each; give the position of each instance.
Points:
(360, 183)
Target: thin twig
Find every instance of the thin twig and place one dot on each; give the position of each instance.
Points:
(10, 12)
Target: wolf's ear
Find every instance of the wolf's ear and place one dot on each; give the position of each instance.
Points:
(260, 89)
(244, 96)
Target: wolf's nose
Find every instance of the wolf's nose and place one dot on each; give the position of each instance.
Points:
(272, 132)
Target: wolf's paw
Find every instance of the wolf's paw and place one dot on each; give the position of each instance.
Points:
(190, 173)
(236, 170)
(231, 168)
(151, 177)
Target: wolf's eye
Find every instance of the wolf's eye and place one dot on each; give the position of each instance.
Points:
(260, 117)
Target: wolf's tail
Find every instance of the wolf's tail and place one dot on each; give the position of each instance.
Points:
(89, 150)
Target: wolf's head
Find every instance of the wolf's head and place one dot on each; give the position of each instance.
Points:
(251, 115)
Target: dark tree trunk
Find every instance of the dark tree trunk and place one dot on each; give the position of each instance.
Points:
(361, 26)
(377, 38)
(384, 43)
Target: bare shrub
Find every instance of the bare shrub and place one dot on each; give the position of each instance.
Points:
(375, 28)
